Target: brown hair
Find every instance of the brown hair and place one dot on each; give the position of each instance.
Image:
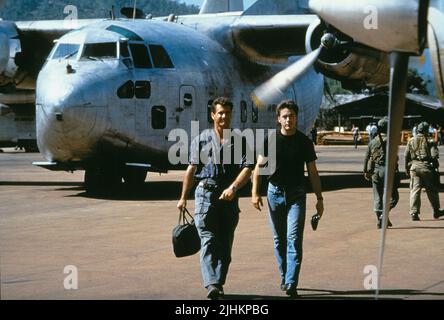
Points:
(223, 101)
(287, 104)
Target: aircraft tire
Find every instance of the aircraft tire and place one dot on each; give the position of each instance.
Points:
(134, 177)
(102, 181)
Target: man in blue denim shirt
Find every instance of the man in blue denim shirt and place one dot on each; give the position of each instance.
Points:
(286, 193)
(216, 208)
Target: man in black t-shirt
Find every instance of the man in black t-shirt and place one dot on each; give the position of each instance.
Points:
(286, 193)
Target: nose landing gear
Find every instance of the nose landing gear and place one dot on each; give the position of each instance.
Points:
(106, 179)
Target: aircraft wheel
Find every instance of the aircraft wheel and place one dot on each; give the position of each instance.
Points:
(102, 180)
(134, 177)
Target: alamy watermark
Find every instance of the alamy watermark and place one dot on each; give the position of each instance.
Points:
(71, 20)
(371, 20)
(71, 281)
(371, 277)
(205, 148)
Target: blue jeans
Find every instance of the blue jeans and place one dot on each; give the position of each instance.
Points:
(287, 219)
(216, 221)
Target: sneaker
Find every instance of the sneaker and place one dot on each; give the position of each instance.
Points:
(283, 286)
(415, 217)
(213, 292)
(292, 290)
(221, 289)
(438, 213)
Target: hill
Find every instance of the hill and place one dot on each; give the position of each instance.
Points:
(53, 9)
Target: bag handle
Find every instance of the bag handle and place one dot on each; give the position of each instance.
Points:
(183, 216)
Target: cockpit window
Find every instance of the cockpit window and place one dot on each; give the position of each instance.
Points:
(124, 51)
(140, 56)
(125, 32)
(104, 50)
(65, 51)
(161, 59)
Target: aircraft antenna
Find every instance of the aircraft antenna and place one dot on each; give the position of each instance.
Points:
(113, 17)
(134, 11)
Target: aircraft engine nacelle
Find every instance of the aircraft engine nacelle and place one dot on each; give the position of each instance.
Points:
(9, 47)
(353, 64)
(395, 25)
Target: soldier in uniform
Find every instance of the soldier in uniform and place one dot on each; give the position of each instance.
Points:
(421, 164)
(374, 168)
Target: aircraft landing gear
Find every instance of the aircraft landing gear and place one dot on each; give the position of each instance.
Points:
(107, 179)
(134, 177)
(102, 180)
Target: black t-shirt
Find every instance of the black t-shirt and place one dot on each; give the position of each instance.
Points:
(292, 152)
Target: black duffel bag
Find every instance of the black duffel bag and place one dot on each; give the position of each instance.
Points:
(186, 241)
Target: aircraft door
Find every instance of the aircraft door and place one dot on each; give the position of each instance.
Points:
(121, 110)
(143, 102)
(185, 113)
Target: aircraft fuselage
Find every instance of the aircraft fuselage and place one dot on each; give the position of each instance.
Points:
(115, 89)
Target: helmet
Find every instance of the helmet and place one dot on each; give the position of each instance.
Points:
(382, 125)
(423, 128)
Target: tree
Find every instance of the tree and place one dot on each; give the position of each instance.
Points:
(87, 9)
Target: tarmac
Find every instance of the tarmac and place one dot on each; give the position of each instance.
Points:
(121, 246)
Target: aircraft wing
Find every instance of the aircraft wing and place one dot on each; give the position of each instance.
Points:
(376, 104)
(53, 28)
(24, 47)
(425, 101)
(272, 38)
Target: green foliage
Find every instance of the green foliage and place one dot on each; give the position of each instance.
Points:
(418, 82)
(327, 119)
(22, 10)
(335, 87)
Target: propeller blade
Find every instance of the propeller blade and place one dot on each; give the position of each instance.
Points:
(398, 88)
(274, 89)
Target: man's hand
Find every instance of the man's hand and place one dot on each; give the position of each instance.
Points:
(320, 207)
(182, 204)
(367, 176)
(256, 200)
(228, 194)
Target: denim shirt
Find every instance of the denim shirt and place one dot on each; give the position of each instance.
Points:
(219, 162)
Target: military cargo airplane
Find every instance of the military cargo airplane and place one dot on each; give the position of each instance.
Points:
(110, 91)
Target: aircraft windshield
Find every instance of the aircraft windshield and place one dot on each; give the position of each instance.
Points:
(65, 51)
(105, 50)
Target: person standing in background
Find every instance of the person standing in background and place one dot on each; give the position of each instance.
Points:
(421, 165)
(355, 133)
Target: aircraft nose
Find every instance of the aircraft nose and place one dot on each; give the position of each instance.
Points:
(67, 113)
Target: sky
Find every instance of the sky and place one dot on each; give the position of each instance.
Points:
(247, 3)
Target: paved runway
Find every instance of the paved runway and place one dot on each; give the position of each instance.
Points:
(121, 247)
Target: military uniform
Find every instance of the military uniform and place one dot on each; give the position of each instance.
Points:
(374, 164)
(421, 161)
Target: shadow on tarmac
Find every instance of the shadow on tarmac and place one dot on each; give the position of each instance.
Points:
(40, 183)
(170, 190)
(320, 294)
(413, 228)
(155, 190)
